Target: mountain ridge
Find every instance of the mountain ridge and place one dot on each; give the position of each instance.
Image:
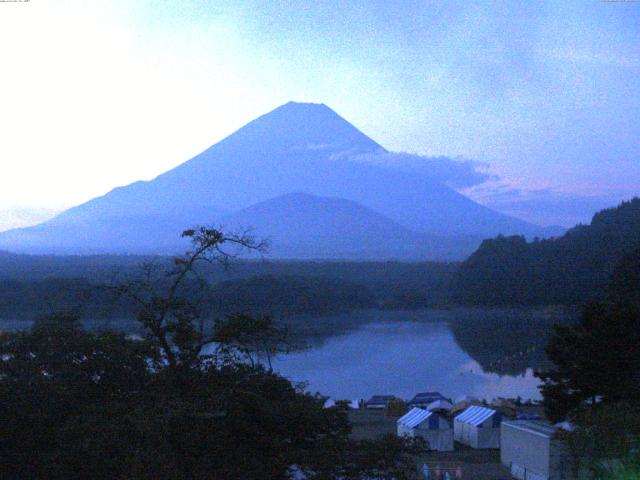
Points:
(296, 147)
(311, 227)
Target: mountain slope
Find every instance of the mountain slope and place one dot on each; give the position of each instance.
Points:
(295, 148)
(300, 225)
(572, 269)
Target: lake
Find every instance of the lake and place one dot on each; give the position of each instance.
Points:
(400, 357)
(405, 352)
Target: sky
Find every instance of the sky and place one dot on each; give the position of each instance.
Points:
(542, 98)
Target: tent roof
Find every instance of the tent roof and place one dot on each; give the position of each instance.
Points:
(440, 405)
(426, 397)
(380, 399)
(475, 415)
(415, 417)
(539, 427)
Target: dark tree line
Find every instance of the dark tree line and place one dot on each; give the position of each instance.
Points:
(277, 288)
(286, 295)
(595, 381)
(569, 270)
(274, 295)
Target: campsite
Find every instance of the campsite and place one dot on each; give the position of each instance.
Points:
(514, 441)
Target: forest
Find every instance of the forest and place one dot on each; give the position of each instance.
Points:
(568, 270)
(31, 286)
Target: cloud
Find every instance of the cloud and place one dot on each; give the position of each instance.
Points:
(541, 206)
(544, 206)
(457, 173)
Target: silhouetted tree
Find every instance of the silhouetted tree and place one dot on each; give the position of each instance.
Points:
(596, 379)
(52, 379)
(162, 301)
(598, 360)
(75, 404)
(250, 337)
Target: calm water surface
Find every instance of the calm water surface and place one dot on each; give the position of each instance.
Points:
(399, 358)
(384, 352)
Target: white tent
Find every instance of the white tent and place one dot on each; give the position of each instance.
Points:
(478, 427)
(434, 429)
(532, 451)
(440, 405)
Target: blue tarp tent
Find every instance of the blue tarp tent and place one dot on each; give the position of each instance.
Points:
(478, 427)
(430, 426)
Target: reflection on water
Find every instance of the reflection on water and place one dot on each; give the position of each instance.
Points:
(400, 358)
(485, 353)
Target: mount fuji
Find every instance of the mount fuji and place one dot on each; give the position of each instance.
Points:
(296, 176)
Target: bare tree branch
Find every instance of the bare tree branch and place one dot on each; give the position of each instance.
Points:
(172, 321)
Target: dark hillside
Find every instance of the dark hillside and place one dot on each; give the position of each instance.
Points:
(571, 270)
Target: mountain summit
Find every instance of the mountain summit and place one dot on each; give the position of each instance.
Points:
(302, 125)
(298, 147)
